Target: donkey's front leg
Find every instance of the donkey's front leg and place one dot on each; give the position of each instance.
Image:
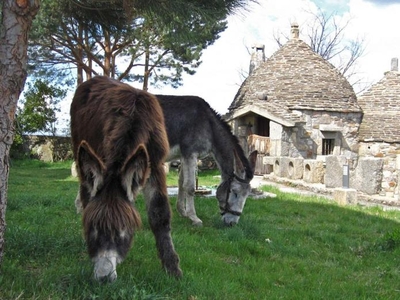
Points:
(78, 203)
(185, 203)
(159, 212)
(81, 199)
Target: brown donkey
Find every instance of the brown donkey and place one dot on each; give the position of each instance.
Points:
(120, 143)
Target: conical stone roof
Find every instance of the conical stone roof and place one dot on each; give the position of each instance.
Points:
(295, 78)
(381, 107)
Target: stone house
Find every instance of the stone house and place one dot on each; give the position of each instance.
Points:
(297, 106)
(379, 134)
(304, 118)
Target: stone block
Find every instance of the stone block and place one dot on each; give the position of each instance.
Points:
(345, 196)
(295, 168)
(314, 171)
(368, 175)
(283, 167)
(74, 171)
(268, 162)
(334, 171)
(278, 169)
(44, 151)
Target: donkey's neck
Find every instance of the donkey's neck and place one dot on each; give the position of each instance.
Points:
(231, 158)
(223, 152)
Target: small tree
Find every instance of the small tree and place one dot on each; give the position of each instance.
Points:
(40, 107)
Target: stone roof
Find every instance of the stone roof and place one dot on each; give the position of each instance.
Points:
(295, 78)
(381, 107)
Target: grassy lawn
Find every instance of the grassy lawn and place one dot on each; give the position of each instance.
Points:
(288, 247)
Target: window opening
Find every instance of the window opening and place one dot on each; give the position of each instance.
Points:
(327, 146)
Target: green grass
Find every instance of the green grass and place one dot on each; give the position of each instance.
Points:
(288, 247)
(207, 178)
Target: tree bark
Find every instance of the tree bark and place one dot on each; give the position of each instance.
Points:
(146, 70)
(79, 71)
(17, 16)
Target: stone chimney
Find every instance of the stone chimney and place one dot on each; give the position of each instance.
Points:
(257, 57)
(294, 30)
(394, 66)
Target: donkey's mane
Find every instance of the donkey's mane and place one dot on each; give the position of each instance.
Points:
(186, 108)
(235, 142)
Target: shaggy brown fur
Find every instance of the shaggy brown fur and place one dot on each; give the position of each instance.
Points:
(103, 214)
(120, 143)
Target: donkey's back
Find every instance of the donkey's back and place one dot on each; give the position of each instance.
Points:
(190, 123)
(114, 118)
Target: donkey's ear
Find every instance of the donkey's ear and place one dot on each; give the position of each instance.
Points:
(244, 171)
(239, 168)
(90, 168)
(253, 159)
(135, 171)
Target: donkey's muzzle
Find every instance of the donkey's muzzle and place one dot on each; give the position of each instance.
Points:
(229, 219)
(105, 269)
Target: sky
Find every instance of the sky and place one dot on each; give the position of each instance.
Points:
(218, 78)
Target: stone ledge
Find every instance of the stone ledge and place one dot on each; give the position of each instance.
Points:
(301, 187)
(344, 196)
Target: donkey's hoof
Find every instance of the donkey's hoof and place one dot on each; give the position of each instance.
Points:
(177, 273)
(171, 266)
(197, 223)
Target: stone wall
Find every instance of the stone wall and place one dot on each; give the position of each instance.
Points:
(306, 141)
(48, 148)
(365, 174)
(375, 169)
(389, 153)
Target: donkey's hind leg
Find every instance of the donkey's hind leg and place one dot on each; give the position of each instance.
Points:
(185, 203)
(159, 212)
(180, 203)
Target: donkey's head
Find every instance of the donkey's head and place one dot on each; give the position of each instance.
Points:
(109, 219)
(233, 192)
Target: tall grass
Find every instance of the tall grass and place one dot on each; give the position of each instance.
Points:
(288, 247)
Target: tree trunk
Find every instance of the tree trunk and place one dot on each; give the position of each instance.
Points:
(79, 68)
(107, 53)
(146, 70)
(17, 16)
